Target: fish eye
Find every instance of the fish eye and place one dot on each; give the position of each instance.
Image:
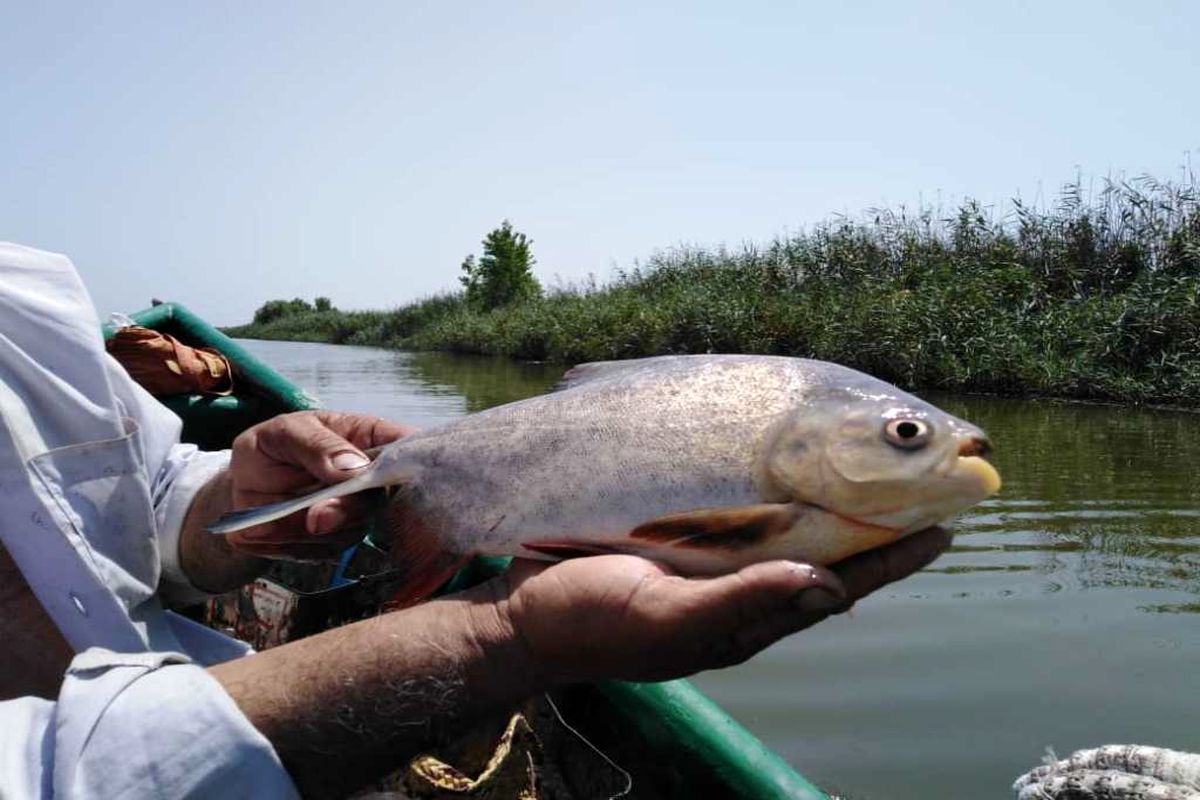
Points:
(907, 434)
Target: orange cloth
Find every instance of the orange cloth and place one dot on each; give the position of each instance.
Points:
(163, 365)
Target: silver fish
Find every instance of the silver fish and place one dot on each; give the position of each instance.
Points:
(706, 463)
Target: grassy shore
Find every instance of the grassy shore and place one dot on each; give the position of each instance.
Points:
(1097, 298)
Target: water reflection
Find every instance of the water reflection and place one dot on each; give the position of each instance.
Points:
(483, 381)
(1095, 495)
(1093, 454)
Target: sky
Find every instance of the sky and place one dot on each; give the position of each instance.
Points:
(223, 154)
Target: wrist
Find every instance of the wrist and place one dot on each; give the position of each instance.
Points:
(208, 561)
(498, 637)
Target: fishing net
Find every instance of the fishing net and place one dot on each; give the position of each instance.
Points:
(532, 755)
(1114, 772)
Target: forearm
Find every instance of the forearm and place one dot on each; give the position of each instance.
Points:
(349, 705)
(208, 560)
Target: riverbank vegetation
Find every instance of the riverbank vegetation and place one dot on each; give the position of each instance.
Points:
(1095, 297)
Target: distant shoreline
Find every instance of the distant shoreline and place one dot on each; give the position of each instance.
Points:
(1093, 300)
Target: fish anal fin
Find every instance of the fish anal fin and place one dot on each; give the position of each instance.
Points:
(568, 548)
(734, 528)
(420, 551)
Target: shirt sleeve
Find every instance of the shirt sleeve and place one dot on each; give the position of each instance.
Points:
(145, 725)
(176, 472)
(184, 469)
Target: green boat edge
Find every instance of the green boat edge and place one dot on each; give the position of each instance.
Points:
(698, 749)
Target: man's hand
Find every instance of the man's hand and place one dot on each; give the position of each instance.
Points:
(625, 617)
(367, 695)
(297, 453)
(283, 457)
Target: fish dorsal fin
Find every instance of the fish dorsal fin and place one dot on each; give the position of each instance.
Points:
(595, 371)
(604, 370)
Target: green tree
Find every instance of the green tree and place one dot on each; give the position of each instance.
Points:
(470, 278)
(503, 275)
(276, 309)
(323, 304)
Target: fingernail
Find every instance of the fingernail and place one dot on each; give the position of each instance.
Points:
(349, 461)
(817, 600)
(326, 521)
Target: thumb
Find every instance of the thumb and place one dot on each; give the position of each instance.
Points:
(747, 610)
(304, 440)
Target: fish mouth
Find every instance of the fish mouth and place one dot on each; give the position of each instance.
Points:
(975, 446)
(972, 463)
(963, 479)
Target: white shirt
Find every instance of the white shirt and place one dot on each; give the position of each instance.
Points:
(94, 487)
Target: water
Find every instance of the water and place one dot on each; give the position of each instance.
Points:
(1067, 614)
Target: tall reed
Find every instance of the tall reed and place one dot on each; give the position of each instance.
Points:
(1097, 296)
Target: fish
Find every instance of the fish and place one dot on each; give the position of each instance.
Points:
(706, 463)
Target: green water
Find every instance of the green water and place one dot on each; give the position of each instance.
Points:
(1067, 614)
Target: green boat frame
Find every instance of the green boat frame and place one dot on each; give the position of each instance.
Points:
(695, 748)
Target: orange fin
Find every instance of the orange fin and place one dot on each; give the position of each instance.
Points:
(568, 548)
(417, 547)
(720, 528)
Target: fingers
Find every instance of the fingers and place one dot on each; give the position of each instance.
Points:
(866, 572)
(318, 533)
(293, 449)
(728, 619)
(307, 441)
(620, 616)
(331, 516)
(296, 453)
(339, 522)
(734, 616)
(363, 430)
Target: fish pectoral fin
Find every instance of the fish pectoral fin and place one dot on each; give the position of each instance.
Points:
(422, 553)
(569, 548)
(733, 528)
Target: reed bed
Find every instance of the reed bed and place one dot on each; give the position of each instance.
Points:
(1096, 297)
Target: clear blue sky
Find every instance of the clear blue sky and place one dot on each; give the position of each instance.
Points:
(227, 153)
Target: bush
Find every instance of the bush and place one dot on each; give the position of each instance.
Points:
(277, 309)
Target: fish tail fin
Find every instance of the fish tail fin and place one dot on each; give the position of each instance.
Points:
(249, 517)
(423, 556)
